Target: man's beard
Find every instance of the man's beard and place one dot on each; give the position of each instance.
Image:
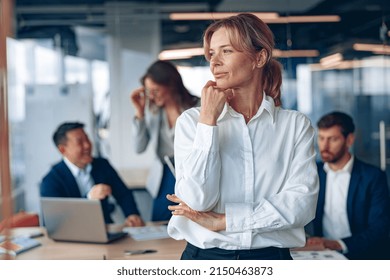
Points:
(331, 157)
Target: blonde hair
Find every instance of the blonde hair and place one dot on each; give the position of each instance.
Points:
(250, 34)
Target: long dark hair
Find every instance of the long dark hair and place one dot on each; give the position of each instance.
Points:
(166, 74)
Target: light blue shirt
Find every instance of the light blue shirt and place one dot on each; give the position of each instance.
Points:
(83, 177)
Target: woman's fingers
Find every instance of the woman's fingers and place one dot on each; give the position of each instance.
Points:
(180, 209)
(212, 102)
(173, 198)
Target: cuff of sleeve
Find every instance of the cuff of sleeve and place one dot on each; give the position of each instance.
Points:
(343, 246)
(238, 216)
(206, 137)
(138, 123)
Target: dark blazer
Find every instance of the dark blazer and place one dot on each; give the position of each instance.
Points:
(60, 182)
(368, 210)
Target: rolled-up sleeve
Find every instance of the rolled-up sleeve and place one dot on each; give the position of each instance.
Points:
(140, 134)
(197, 161)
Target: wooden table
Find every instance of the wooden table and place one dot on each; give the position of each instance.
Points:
(167, 249)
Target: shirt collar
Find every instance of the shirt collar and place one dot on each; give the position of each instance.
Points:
(347, 167)
(266, 105)
(74, 169)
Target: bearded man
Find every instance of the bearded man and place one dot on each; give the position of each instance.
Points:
(353, 214)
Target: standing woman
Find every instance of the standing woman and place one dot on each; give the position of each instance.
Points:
(246, 176)
(158, 104)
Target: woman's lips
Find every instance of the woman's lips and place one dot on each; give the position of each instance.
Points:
(219, 75)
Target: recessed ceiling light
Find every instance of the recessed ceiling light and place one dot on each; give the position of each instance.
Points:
(215, 16)
(295, 53)
(180, 53)
(375, 48)
(266, 17)
(331, 60)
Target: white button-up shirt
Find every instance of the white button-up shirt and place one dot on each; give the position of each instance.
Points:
(83, 177)
(335, 221)
(262, 175)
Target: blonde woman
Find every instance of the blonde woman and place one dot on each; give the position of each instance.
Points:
(246, 175)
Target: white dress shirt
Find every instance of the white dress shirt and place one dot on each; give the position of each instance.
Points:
(83, 177)
(262, 175)
(335, 220)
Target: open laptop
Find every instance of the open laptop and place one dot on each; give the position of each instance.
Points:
(76, 219)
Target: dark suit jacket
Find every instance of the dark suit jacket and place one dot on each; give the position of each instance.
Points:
(368, 211)
(60, 182)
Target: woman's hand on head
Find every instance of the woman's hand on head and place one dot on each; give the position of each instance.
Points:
(138, 98)
(212, 102)
(210, 220)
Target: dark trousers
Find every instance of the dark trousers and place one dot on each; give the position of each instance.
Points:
(270, 253)
(160, 210)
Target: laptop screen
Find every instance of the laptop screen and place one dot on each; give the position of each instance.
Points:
(74, 219)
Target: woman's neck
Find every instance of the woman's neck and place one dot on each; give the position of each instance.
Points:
(246, 104)
(173, 112)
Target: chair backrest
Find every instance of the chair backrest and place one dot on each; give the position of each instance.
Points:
(20, 219)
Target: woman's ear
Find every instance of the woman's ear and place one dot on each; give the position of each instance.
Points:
(261, 58)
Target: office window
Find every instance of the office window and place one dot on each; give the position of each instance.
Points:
(47, 66)
(361, 90)
(76, 70)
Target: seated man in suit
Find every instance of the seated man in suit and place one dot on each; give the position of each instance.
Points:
(81, 175)
(353, 204)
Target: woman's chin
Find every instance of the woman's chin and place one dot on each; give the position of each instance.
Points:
(224, 84)
(159, 104)
(221, 85)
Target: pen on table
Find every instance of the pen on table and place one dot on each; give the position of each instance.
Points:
(138, 252)
(35, 235)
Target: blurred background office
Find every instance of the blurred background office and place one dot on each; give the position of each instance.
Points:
(75, 61)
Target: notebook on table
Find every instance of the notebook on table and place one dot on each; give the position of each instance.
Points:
(77, 220)
(17, 244)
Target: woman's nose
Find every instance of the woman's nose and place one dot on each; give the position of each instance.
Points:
(215, 60)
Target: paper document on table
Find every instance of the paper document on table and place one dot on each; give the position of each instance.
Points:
(147, 232)
(317, 255)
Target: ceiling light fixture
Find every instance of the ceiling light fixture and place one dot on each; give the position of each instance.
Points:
(215, 16)
(190, 52)
(295, 53)
(331, 60)
(266, 17)
(180, 53)
(351, 64)
(341, 65)
(375, 48)
(305, 19)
